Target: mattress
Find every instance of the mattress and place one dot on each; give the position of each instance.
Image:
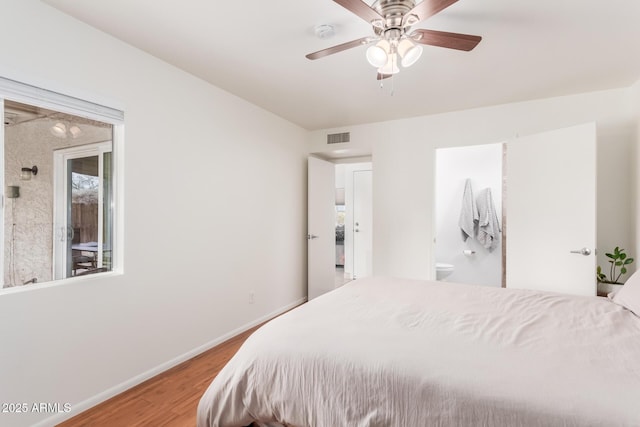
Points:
(392, 352)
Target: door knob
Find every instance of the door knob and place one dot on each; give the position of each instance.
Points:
(312, 236)
(583, 251)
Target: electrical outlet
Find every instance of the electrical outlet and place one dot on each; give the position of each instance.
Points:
(251, 297)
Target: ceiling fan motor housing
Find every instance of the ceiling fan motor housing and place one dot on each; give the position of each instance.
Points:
(393, 12)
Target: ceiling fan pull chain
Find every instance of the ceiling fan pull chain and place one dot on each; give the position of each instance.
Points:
(394, 59)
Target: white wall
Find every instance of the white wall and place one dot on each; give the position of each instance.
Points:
(634, 95)
(214, 208)
(617, 168)
(403, 158)
(482, 165)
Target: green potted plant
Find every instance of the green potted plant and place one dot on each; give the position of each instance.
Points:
(618, 262)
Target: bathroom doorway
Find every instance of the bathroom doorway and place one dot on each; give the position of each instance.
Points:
(546, 183)
(469, 179)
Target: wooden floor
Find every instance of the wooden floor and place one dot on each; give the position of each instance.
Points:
(169, 399)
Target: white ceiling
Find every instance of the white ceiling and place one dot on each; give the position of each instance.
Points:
(256, 50)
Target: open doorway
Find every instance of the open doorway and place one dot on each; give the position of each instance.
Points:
(339, 223)
(353, 225)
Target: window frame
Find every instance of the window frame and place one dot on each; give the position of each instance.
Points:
(13, 90)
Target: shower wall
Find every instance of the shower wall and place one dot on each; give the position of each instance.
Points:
(482, 165)
(28, 218)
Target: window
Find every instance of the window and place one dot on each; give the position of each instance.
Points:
(59, 178)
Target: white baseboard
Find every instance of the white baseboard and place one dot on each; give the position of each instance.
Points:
(126, 385)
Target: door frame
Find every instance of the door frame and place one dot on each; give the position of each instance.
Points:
(62, 231)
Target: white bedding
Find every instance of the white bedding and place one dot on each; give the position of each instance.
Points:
(389, 352)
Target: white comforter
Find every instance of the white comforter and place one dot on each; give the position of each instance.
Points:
(389, 352)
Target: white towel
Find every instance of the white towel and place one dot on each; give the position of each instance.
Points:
(469, 213)
(488, 226)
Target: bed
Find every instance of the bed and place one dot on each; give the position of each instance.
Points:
(391, 352)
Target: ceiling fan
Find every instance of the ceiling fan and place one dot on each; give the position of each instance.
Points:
(395, 43)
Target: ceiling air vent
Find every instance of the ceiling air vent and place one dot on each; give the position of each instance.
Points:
(337, 138)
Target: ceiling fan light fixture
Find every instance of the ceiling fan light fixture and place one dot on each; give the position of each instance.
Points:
(391, 67)
(377, 55)
(409, 52)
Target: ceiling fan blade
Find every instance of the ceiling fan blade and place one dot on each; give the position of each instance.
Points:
(383, 76)
(361, 9)
(427, 8)
(443, 39)
(338, 48)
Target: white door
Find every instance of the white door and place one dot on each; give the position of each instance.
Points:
(362, 224)
(321, 231)
(551, 211)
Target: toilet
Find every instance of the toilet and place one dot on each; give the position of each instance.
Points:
(443, 270)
